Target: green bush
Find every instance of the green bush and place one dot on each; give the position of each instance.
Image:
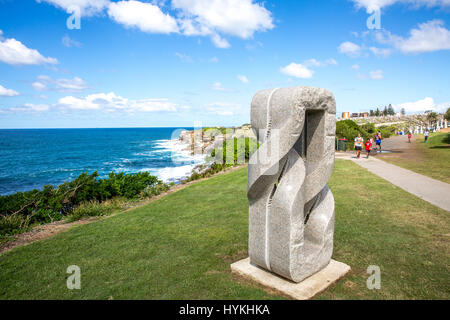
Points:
(96, 209)
(12, 224)
(242, 151)
(155, 190)
(22, 209)
(349, 130)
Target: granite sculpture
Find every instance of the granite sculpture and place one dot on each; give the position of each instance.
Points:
(291, 215)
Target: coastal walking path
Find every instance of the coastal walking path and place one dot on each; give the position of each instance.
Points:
(428, 189)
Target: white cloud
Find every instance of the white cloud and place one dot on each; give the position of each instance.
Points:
(380, 52)
(374, 5)
(355, 66)
(376, 75)
(430, 36)
(220, 42)
(15, 53)
(419, 106)
(44, 83)
(211, 17)
(442, 107)
(110, 102)
(87, 7)
(427, 37)
(351, 49)
(214, 60)
(331, 61)
(39, 86)
(224, 108)
(243, 79)
(7, 92)
(217, 86)
(142, 15)
(297, 70)
(69, 42)
(183, 57)
(29, 107)
(316, 63)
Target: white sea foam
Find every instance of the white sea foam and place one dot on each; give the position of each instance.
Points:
(183, 160)
(172, 174)
(178, 151)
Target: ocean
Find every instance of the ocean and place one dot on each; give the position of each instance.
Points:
(32, 158)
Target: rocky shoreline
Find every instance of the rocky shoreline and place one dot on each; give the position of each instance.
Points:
(205, 140)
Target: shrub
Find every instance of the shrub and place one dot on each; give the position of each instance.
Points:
(156, 190)
(242, 151)
(349, 130)
(12, 224)
(96, 209)
(23, 209)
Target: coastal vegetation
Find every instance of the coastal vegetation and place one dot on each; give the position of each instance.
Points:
(86, 195)
(181, 246)
(89, 196)
(219, 159)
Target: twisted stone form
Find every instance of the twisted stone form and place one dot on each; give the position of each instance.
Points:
(291, 220)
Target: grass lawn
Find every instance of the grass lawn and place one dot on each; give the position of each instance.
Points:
(431, 159)
(181, 246)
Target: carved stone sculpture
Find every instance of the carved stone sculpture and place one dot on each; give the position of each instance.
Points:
(291, 221)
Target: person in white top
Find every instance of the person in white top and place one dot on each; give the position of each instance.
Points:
(427, 133)
(358, 145)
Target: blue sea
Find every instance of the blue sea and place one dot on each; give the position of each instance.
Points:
(32, 158)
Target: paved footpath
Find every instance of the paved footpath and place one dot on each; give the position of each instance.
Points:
(431, 190)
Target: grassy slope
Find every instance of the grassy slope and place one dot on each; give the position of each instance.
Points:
(182, 245)
(433, 160)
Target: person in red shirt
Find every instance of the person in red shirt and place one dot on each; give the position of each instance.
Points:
(409, 137)
(368, 146)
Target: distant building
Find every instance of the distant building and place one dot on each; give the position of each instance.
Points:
(348, 115)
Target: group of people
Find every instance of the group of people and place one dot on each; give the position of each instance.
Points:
(368, 144)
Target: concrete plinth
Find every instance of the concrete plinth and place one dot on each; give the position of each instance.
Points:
(304, 290)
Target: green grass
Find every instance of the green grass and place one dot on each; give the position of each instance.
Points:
(181, 246)
(431, 159)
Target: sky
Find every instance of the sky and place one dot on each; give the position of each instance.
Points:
(175, 63)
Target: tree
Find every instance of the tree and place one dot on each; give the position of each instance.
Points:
(385, 111)
(390, 110)
(432, 117)
(403, 111)
(377, 113)
(371, 113)
(447, 115)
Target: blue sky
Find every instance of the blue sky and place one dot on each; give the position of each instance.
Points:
(184, 62)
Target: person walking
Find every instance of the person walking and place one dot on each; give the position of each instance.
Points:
(378, 140)
(358, 145)
(368, 146)
(427, 133)
(409, 137)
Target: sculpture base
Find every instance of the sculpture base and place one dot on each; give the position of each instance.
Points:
(304, 290)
